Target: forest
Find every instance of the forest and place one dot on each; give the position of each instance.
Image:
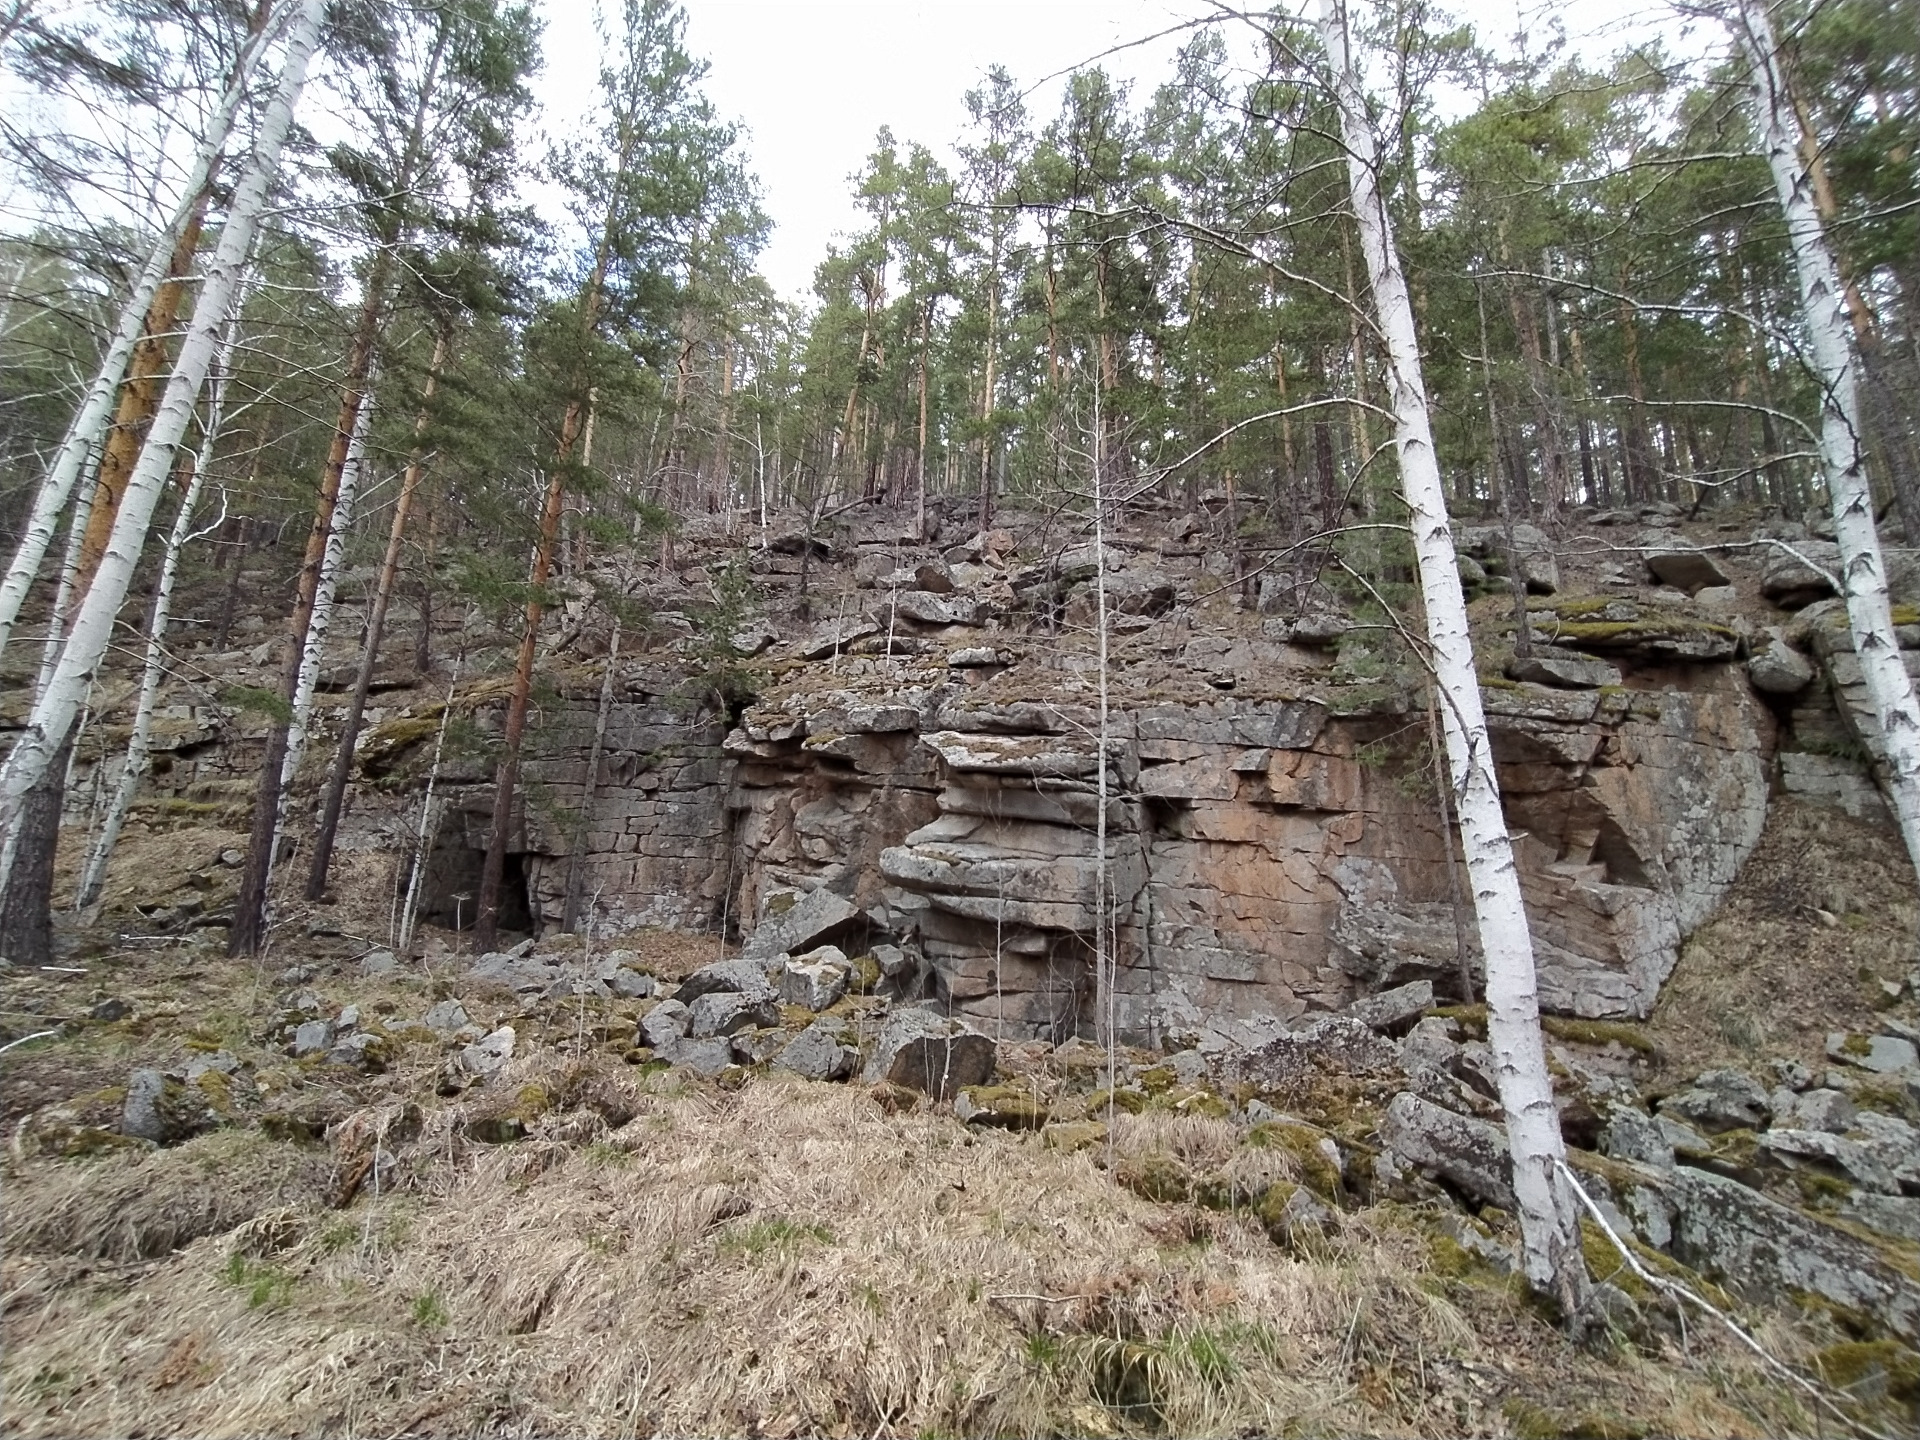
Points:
(348, 401)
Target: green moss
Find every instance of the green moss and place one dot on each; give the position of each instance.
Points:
(1159, 1178)
(863, 978)
(1599, 1033)
(1157, 1079)
(1302, 1143)
(217, 1090)
(1195, 1102)
(1579, 605)
(1856, 1045)
(1120, 1098)
(1906, 615)
(1861, 1364)
(1604, 1263)
(1471, 1018)
(1006, 1107)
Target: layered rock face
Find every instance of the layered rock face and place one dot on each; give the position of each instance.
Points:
(1263, 858)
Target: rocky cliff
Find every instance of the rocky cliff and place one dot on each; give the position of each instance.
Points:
(1265, 838)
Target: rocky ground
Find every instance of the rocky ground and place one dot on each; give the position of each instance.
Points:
(645, 1187)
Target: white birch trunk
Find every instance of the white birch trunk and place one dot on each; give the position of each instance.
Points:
(1548, 1217)
(133, 770)
(88, 429)
(52, 715)
(63, 594)
(1863, 571)
(352, 473)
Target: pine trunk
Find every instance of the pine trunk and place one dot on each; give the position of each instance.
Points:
(134, 767)
(486, 924)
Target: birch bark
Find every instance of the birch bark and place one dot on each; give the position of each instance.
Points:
(90, 423)
(1548, 1217)
(52, 716)
(133, 769)
(1863, 570)
(351, 476)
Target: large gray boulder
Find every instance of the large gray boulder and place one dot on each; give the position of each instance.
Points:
(727, 1012)
(666, 1023)
(1716, 1225)
(1756, 1244)
(162, 1108)
(1779, 669)
(810, 921)
(740, 977)
(1685, 569)
(819, 1053)
(1470, 1154)
(1391, 1009)
(1336, 1042)
(930, 1053)
(1721, 1100)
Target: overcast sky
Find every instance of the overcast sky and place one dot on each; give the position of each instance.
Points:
(813, 80)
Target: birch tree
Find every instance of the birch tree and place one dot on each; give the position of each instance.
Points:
(52, 716)
(1863, 571)
(1548, 1216)
(87, 433)
(133, 766)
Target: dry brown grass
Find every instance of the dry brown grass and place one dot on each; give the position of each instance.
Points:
(1822, 910)
(781, 1260)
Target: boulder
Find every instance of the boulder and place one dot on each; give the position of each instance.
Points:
(1564, 672)
(1822, 1109)
(1819, 1150)
(162, 1108)
(706, 1057)
(933, 577)
(446, 1017)
(666, 1023)
(1632, 1134)
(1688, 570)
(1796, 577)
(815, 980)
(725, 977)
(1779, 669)
(727, 1012)
(1337, 1042)
(362, 1052)
(489, 1054)
(1892, 1142)
(1895, 1215)
(810, 921)
(379, 962)
(1878, 1053)
(1469, 1154)
(819, 1053)
(311, 1037)
(1391, 1009)
(930, 1053)
(1759, 1245)
(516, 972)
(1721, 1100)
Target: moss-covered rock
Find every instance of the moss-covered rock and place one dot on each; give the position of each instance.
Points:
(1004, 1107)
(1303, 1144)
